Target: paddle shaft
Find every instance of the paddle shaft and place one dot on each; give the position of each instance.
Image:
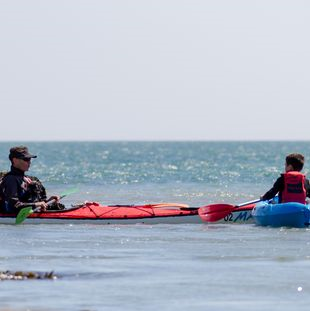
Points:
(247, 203)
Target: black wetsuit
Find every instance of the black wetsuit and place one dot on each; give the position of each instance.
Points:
(278, 187)
(15, 189)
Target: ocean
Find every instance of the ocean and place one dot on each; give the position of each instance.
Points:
(150, 267)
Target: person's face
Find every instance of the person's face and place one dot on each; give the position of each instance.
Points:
(22, 164)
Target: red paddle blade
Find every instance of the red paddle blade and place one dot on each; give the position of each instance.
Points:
(215, 212)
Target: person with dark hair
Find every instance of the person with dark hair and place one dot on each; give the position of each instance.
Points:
(292, 186)
(18, 190)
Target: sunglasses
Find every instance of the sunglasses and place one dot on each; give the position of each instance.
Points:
(26, 159)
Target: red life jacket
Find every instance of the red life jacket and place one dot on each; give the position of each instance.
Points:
(294, 187)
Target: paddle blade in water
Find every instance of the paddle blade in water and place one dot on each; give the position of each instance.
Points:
(23, 214)
(215, 212)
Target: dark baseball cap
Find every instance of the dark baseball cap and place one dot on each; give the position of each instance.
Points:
(20, 152)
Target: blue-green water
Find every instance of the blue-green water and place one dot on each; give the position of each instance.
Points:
(193, 172)
(167, 267)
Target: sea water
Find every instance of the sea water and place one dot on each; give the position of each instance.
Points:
(157, 267)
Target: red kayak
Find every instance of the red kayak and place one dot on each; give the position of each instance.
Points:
(92, 212)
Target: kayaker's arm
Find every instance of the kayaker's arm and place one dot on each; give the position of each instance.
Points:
(277, 187)
(11, 192)
(41, 205)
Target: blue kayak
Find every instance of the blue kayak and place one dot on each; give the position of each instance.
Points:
(290, 214)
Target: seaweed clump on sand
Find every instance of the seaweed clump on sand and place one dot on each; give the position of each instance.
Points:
(21, 275)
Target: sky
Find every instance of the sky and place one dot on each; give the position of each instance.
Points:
(154, 70)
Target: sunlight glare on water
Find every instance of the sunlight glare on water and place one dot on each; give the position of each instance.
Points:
(152, 267)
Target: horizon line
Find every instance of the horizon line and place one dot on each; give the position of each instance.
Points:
(152, 140)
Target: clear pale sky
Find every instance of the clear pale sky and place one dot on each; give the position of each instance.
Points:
(154, 70)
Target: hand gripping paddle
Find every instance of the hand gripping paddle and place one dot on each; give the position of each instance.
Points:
(26, 211)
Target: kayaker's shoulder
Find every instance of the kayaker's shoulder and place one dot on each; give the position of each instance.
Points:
(6, 176)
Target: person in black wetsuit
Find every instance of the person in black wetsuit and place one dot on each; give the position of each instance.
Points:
(292, 186)
(18, 190)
